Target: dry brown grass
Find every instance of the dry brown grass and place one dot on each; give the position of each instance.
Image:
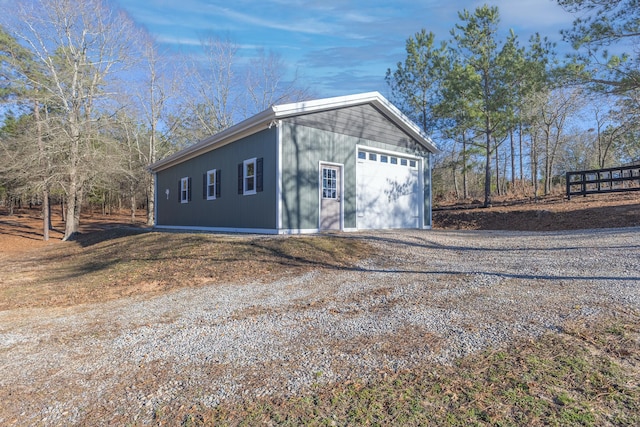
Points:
(585, 375)
(546, 214)
(120, 262)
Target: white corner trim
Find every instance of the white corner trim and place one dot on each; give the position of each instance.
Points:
(279, 201)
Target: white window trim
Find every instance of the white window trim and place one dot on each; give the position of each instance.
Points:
(329, 179)
(215, 184)
(184, 194)
(245, 166)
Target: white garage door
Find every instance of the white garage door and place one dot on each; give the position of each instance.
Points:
(388, 193)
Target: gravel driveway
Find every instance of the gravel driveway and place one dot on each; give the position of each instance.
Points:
(426, 296)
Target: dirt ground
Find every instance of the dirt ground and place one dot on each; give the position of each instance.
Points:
(548, 214)
(22, 231)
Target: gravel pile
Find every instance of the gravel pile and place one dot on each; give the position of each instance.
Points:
(426, 296)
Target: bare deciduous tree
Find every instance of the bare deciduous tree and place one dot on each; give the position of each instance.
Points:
(549, 114)
(156, 92)
(80, 45)
(267, 84)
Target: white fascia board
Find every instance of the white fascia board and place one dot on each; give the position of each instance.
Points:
(305, 107)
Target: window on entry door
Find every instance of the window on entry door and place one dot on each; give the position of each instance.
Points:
(329, 183)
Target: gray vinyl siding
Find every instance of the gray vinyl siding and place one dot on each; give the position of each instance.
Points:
(360, 121)
(304, 147)
(302, 150)
(231, 210)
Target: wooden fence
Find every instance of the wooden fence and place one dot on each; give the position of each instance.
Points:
(610, 180)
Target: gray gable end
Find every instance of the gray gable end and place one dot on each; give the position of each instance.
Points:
(360, 121)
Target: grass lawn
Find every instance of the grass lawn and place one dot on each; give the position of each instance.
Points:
(585, 375)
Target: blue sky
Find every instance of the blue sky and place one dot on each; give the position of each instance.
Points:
(338, 46)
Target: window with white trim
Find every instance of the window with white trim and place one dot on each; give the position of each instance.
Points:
(211, 184)
(185, 190)
(250, 176)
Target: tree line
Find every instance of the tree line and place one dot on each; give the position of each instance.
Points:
(512, 117)
(89, 101)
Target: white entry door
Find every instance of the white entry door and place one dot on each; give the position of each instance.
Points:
(330, 197)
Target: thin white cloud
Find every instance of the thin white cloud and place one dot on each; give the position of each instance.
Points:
(306, 26)
(183, 41)
(360, 18)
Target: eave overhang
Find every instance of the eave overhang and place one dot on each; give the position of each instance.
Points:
(270, 117)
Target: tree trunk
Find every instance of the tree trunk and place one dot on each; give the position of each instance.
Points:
(74, 202)
(455, 180)
(46, 214)
(520, 156)
(505, 182)
(487, 177)
(70, 226)
(44, 170)
(132, 189)
(487, 164)
(151, 201)
(497, 170)
(78, 208)
(547, 153)
(465, 188)
(513, 158)
(534, 166)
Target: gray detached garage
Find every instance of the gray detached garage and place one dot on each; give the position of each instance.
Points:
(346, 163)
